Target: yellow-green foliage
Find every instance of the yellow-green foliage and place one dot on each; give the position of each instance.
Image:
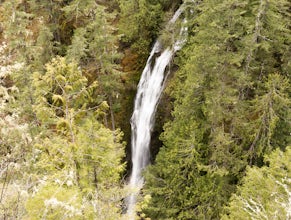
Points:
(62, 92)
(54, 149)
(265, 192)
(53, 201)
(77, 159)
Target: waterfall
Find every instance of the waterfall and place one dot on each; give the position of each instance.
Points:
(148, 94)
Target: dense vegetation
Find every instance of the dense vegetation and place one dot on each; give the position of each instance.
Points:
(68, 73)
(231, 109)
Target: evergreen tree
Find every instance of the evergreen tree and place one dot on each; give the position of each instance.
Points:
(95, 41)
(231, 108)
(265, 192)
(57, 158)
(224, 111)
(76, 159)
(16, 32)
(139, 24)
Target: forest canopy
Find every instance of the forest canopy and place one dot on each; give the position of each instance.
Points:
(69, 70)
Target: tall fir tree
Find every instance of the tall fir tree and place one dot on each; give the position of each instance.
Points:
(224, 111)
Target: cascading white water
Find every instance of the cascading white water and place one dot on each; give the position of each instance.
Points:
(148, 94)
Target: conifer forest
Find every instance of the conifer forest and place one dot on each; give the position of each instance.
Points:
(145, 109)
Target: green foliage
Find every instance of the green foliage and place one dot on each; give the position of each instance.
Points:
(61, 93)
(76, 156)
(272, 108)
(55, 202)
(95, 47)
(94, 37)
(15, 140)
(265, 191)
(77, 49)
(229, 109)
(102, 152)
(43, 49)
(76, 176)
(140, 23)
(134, 23)
(15, 23)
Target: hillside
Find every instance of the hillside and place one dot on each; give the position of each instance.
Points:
(220, 146)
